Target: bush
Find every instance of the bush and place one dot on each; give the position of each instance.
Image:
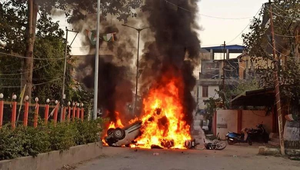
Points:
(31, 141)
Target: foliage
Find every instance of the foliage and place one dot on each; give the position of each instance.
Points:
(259, 46)
(12, 38)
(31, 141)
(245, 85)
(49, 51)
(211, 106)
(78, 9)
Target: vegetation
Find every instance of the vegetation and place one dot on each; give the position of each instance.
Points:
(259, 47)
(29, 141)
(48, 53)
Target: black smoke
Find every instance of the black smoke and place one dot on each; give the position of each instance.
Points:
(175, 51)
(114, 88)
(115, 73)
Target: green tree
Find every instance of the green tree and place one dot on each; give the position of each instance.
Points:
(48, 52)
(245, 85)
(286, 16)
(76, 10)
(49, 42)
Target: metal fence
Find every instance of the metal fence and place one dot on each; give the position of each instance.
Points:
(29, 114)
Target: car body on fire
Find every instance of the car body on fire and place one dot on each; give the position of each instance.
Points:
(123, 136)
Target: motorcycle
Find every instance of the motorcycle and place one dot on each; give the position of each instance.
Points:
(233, 138)
(216, 144)
(259, 134)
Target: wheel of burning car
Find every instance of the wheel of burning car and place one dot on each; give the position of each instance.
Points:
(119, 133)
(110, 131)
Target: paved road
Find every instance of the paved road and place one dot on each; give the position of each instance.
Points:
(232, 158)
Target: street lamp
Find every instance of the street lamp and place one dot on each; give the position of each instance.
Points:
(137, 62)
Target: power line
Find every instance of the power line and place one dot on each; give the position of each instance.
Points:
(245, 27)
(209, 16)
(287, 36)
(37, 84)
(216, 17)
(25, 71)
(19, 56)
(177, 6)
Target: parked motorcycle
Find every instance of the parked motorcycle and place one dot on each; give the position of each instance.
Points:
(233, 138)
(259, 134)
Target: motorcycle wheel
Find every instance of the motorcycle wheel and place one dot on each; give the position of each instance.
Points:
(265, 138)
(230, 142)
(249, 142)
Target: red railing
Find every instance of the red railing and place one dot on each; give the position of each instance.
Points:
(76, 110)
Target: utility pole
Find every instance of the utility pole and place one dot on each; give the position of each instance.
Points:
(223, 78)
(137, 64)
(28, 62)
(97, 63)
(63, 96)
(65, 68)
(277, 90)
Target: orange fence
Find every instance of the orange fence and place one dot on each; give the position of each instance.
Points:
(50, 111)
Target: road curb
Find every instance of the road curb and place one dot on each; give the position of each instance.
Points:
(263, 150)
(55, 159)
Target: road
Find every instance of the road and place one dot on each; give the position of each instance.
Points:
(232, 158)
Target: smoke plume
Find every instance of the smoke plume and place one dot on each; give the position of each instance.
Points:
(175, 51)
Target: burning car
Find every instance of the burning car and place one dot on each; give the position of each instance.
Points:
(123, 136)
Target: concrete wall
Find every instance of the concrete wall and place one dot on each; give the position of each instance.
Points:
(251, 118)
(55, 159)
(226, 121)
(229, 120)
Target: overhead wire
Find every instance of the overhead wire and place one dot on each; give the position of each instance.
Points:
(19, 56)
(36, 84)
(35, 69)
(245, 26)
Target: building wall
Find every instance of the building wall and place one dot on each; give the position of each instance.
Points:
(226, 122)
(211, 93)
(251, 118)
(235, 120)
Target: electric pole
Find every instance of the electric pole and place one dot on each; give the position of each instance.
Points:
(139, 30)
(276, 81)
(96, 78)
(223, 78)
(63, 95)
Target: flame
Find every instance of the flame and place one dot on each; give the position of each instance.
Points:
(163, 122)
(163, 119)
(113, 125)
(133, 120)
(118, 122)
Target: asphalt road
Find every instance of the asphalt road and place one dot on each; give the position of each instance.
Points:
(232, 158)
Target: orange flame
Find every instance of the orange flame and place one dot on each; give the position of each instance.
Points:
(163, 123)
(113, 125)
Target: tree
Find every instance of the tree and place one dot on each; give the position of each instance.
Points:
(286, 28)
(16, 12)
(245, 85)
(48, 52)
(76, 10)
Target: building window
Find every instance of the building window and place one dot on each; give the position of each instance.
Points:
(204, 91)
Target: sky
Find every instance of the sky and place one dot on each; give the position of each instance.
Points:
(221, 20)
(226, 20)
